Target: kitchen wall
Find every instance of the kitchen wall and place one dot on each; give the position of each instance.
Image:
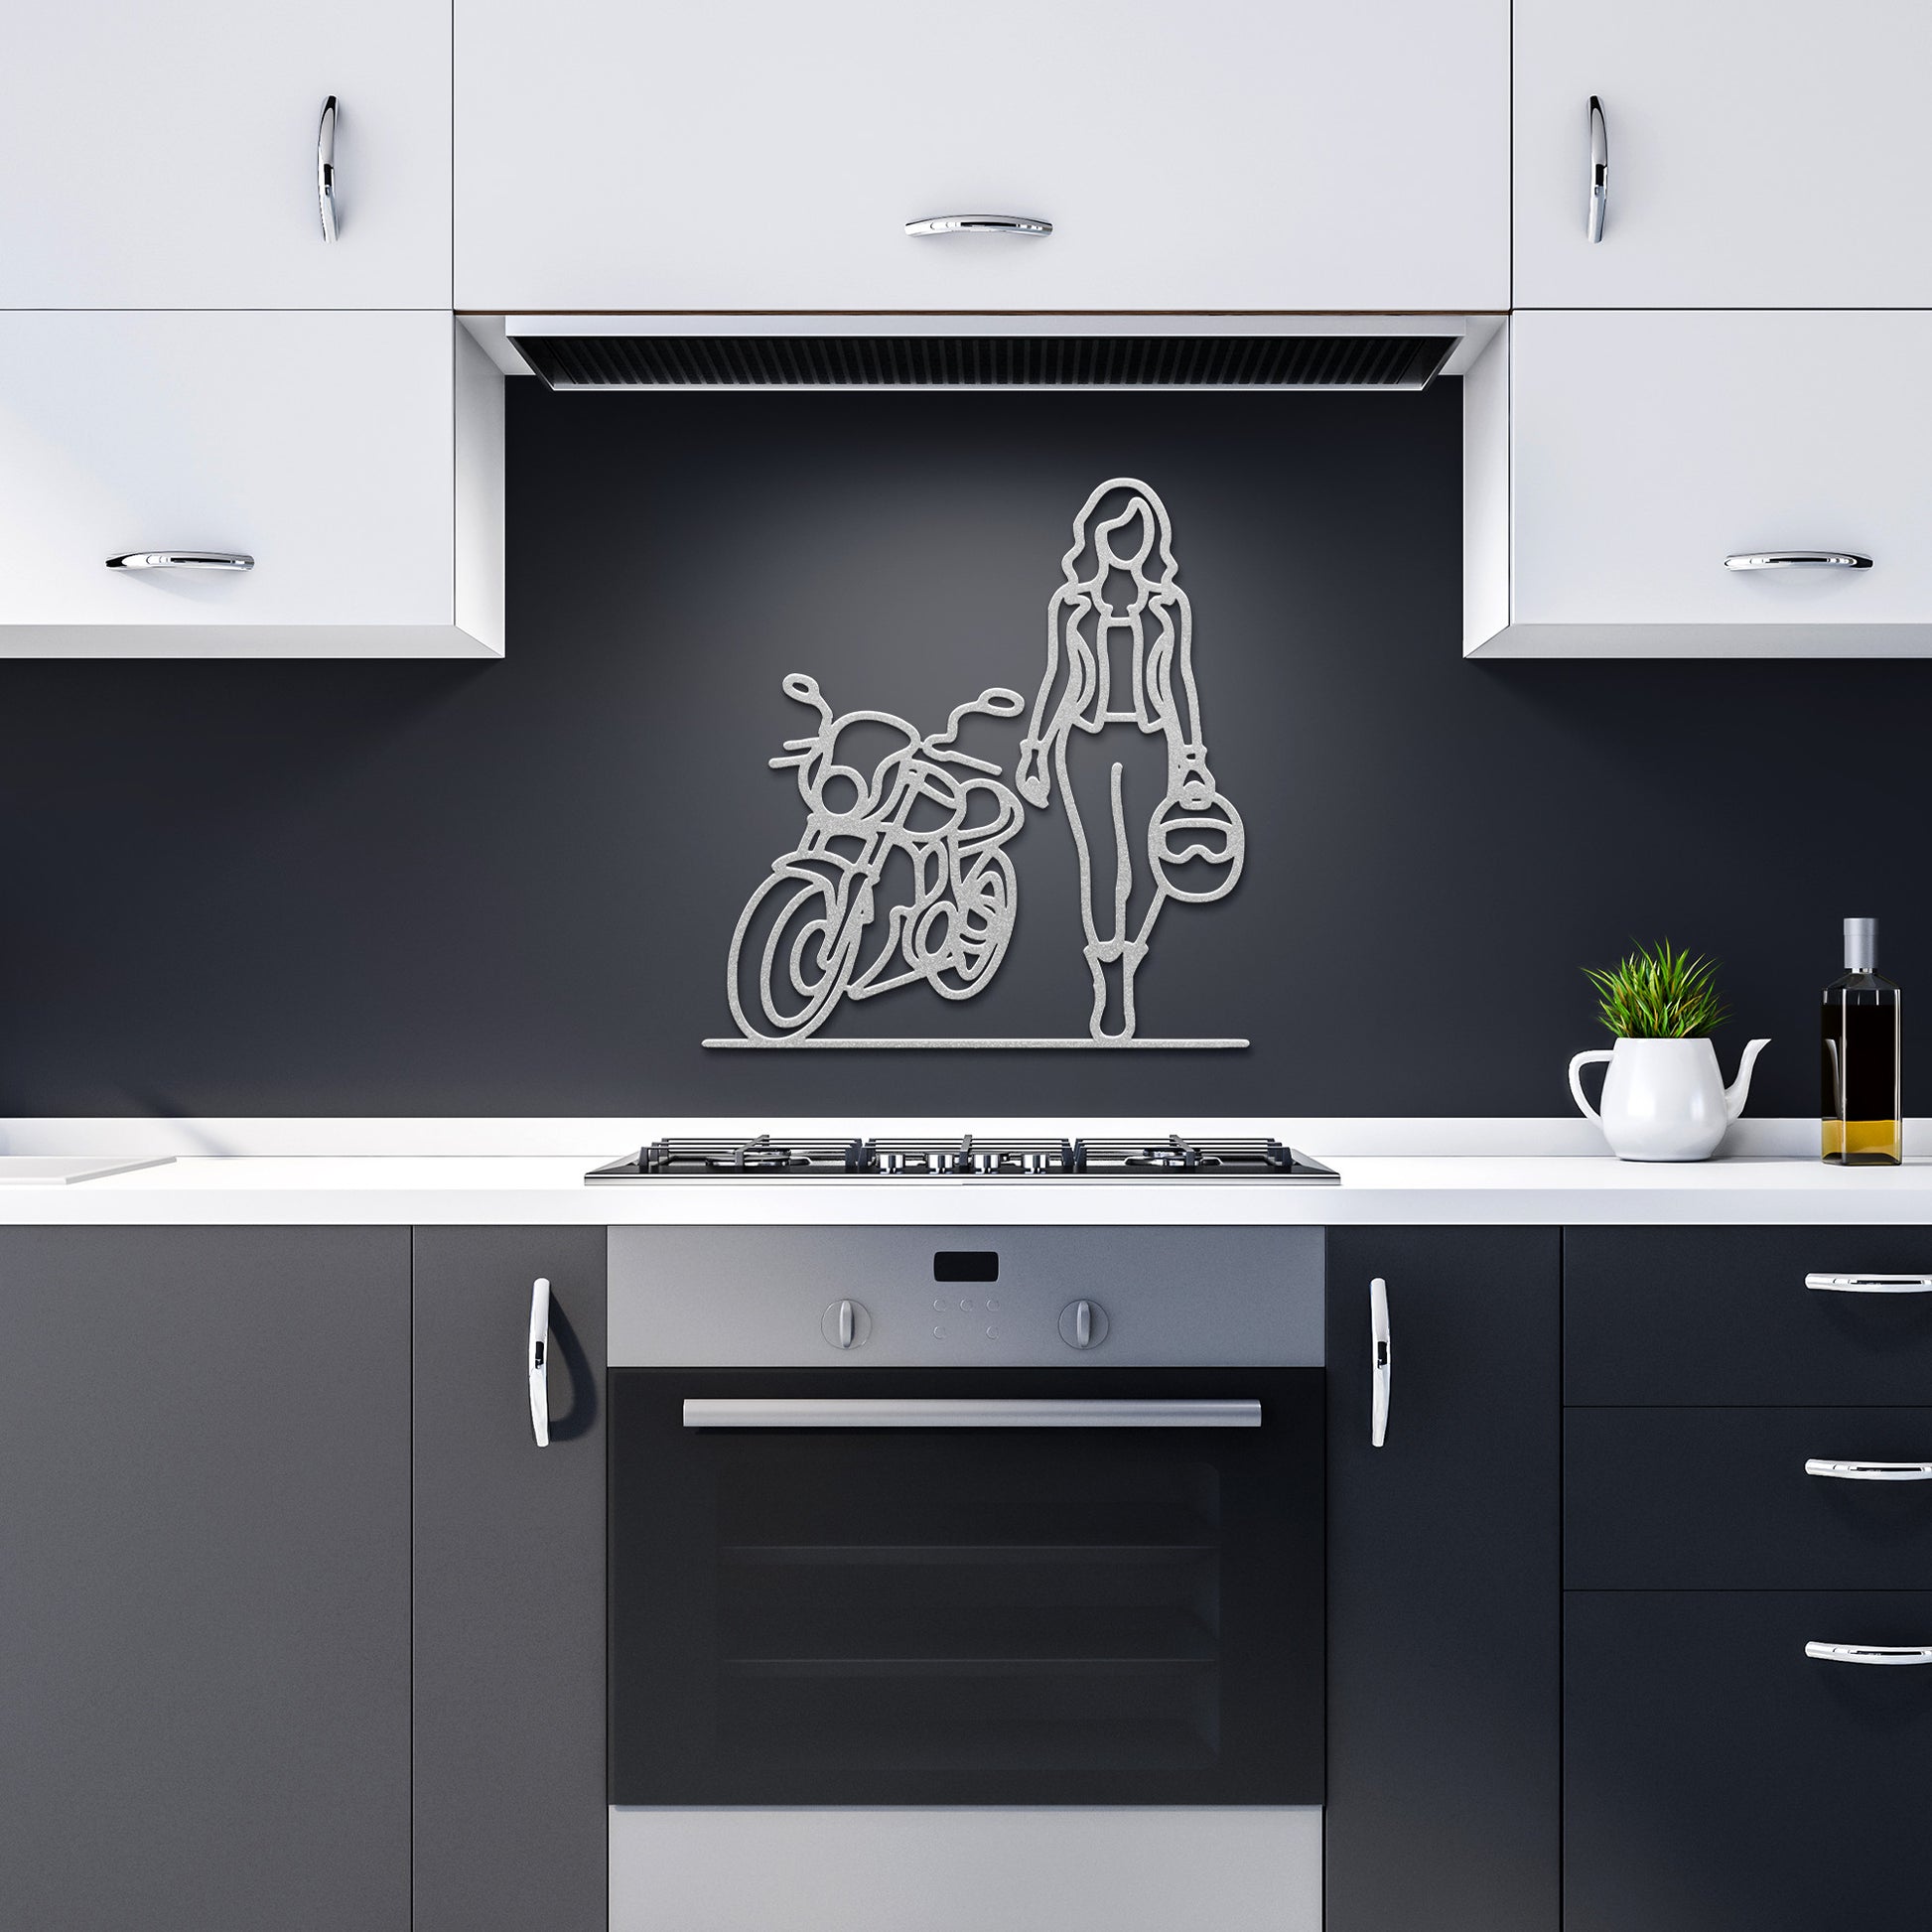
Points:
(508, 888)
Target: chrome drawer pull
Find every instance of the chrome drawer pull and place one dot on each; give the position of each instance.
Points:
(1797, 560)
(1600, 172)
(1871, 1653)
(182, 560)
(1872, 1284)
(536, 1360)
(978, 224)
(1871, 1471)
(942, 1412)
(1381, 1362)
(325, 168)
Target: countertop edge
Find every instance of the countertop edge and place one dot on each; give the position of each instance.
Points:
(549, 1191)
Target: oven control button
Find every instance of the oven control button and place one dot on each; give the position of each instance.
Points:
(1084, 1324)
(846, 1325)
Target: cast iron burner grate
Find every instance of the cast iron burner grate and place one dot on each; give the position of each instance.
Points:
(1167, 1157)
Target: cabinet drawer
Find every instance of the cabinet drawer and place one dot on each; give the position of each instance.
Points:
(165, 157)
(1647, 446)
(1716, 1779)
(1215, 155)
(340, 451)
(1707, 1315)
(1749, 166)
(1720, 1499)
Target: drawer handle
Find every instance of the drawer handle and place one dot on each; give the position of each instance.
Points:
(1871, 1471)
(978, 224)
(1381, 1362)
(182, 560)
(537, 1361)
(1871, 1653)
(1871, 1284)
(325, 168)
(1599, 171)
(1797, 560)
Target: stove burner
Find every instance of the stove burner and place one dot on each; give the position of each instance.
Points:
(761, 1158)
(728, 1160)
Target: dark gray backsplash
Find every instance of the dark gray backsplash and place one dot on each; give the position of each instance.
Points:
(508, 888)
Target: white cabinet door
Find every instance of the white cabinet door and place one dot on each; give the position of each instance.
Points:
(1762, 153)
(1646, 448)
(163, 157)
(768, 156)
(346, 453)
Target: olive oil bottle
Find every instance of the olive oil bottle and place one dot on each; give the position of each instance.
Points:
(1864, 1121)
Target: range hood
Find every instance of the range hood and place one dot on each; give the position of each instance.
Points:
(1243, 352)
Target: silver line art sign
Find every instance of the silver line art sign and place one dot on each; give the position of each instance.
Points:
(921, 836)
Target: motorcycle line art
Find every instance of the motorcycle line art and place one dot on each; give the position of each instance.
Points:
(807, 938)
(1119, 681)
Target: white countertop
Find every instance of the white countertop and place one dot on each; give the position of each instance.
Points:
(504, 1189)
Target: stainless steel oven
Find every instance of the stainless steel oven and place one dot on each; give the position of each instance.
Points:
(963, 1578)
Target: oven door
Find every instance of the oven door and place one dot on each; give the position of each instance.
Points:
(932, 1587)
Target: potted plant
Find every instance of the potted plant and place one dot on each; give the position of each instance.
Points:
(1663, 1096)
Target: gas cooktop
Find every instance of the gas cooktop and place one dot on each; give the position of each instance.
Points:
(765, 1156)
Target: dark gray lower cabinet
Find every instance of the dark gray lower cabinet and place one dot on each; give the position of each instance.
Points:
(204, 1580)
(1718, 1519)
(1720, 1780)
(509, 1709)
(1443, 1584)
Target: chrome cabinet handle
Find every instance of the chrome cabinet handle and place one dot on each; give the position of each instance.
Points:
(182, 560)
(978, 224)
(945, 1412)
(1871, 1471)
(1381, 1362)
(325, 168)
(539, 1352)
(1871, 1653)
(1797, 560)
(1871, 1284)
(1599, 171)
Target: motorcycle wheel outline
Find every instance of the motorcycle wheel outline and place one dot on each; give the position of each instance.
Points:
(967, 903)
(830, 988)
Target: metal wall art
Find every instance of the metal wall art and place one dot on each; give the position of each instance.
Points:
(921, 834)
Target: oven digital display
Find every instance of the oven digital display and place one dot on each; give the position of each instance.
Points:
(966, 1265)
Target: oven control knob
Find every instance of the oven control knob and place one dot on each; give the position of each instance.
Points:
(1084, 1324)
(846, 1325)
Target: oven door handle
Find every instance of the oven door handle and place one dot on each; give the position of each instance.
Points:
(891, 1412)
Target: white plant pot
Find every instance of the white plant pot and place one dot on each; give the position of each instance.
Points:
(1664, 1099)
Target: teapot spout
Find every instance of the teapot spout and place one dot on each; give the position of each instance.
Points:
(1740, 1089)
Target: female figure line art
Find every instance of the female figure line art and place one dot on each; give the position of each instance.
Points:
(801, 944)
(1119, 662)
(920, 831)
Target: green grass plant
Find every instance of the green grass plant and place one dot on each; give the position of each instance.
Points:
(1658, 993)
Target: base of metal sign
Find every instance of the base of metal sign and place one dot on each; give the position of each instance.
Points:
(1083, 1044)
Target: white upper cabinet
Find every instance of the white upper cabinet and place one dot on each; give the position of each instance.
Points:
(1762, 154)
(1684, 484)
(160, 157)
(305, 483)
(769, 156)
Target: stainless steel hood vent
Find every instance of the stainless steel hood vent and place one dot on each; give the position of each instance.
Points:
(916, 353)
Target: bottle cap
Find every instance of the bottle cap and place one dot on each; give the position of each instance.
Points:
(1861, 946)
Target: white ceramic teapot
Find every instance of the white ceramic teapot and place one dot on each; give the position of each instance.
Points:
(1664, 1099)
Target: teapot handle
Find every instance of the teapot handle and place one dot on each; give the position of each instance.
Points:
(1576, 1077)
